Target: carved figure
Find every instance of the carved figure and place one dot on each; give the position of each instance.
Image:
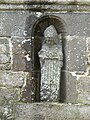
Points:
(51, 61)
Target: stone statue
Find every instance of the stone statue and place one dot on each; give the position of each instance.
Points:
(51, 61)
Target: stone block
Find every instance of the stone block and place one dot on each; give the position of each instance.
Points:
(8, 96)
(13, 79)
(88, 50)
(84, 98)
(70, 82)
(68, 86)
(63, 1)
(30, 111)
(6, 112)
(6, 66)
(12, 23)
(83, 84)
(4, 41)
(76, 53)
(84, 112)
(4, 45)
(76, 24)
(21, 52)
(2, 48)
(52, 111)
(83, 89)
(4, 58)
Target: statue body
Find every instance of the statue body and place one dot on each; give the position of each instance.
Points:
(51, 60)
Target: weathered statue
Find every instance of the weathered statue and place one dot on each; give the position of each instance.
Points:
(51, 60)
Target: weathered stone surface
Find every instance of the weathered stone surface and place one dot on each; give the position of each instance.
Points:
(44, 6)
(4, 54)
(12, 23)
(6, 66)
(4, 40)
(76, 24)
(84, 112)
(47, 111)
(29, 90)
(21, 51)
(84, 97)
(63, 1)
(29, 111)
(18, 55)
(13, 79)
(69, 90)
(16, 26)
(2, 48)
(6, 112)
(51, 59)
(4, 59)
(8, 95)
(76, 53)
(83, 89)
(22, 1)
(84, 84)
(88, 50)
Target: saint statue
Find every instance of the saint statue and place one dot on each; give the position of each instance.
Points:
(51, 61)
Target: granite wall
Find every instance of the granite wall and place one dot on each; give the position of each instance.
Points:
(17, 84)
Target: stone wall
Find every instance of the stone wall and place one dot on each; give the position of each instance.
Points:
(62, 1)
(17, 90)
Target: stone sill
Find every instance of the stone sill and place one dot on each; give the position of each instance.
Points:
(52, 111)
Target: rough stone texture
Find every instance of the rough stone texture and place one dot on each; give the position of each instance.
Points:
(8, 95)
(12, 23)
(63, 1)
(4, 53)
(34, 6)
(46, 111)
(76, 53)
(75, 63)
(16, 22)
(83, 88)
(6, 66)
(69, 89)
(12, 79)
(51, 59)
(6, 112)
(4, 59)
(76, 24)
(21, 50)
(17, 26)
(29, 90)
(88, 50)
(84, 112)
(5, 42)
(22, 1)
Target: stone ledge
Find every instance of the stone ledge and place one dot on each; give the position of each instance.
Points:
(40, 5)
(45, 1)
(52, 111)
(45, 7)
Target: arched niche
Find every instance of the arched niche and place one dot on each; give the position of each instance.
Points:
(37, 39)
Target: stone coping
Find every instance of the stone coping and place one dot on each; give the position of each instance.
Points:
(45, 1)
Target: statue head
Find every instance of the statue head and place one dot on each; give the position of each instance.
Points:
(51, 36)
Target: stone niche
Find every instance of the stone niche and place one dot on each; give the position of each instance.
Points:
(74, 58)
(37, 40)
